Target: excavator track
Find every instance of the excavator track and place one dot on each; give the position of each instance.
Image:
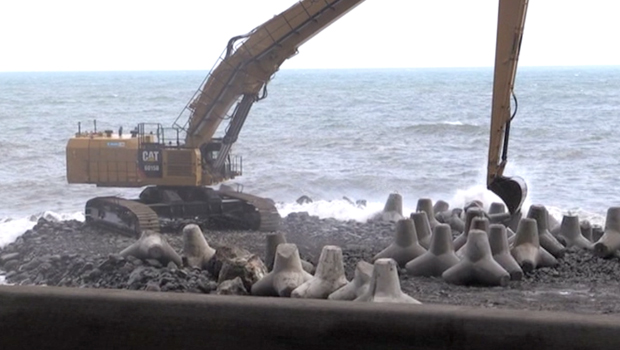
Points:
(121, 215)
(269, 218)
(236, 210)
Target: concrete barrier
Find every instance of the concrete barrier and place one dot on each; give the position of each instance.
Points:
(64, 318)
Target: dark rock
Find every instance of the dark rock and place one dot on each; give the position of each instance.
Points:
(152, 287)
(232, 287)
(11, 265)
(304, 200)
(223, 254)
(248, 268)
(206, 286)
(32, 264)
(10, 256)
(154, 263)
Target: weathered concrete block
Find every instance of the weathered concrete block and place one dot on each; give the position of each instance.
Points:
(571, 232)
(426, 205)
(477, 265)
(152, 245)
(393, 209)
(196, 250)
(287, 274)
(526, 248)
(422, 228)
(498, 240)
(359, 284)
(610, 240)
(546, 239)
(472, 212)
(439, 257)
(385, 286)
(405, 247)
(273, 240)
(328, 278)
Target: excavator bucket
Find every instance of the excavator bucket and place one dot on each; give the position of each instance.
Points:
(512, 190)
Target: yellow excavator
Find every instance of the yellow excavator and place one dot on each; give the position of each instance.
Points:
(177, 165)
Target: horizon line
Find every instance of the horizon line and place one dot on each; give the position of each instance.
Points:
(306, 69)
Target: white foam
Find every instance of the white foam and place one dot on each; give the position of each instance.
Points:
(11, 229)
(593, 218)
(339, 209)
(478, 192)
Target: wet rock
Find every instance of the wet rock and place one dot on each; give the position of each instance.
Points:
(222, 255)
(11, 265)
(32, 264)
(248, 269)
(7, 257)
(304, 200)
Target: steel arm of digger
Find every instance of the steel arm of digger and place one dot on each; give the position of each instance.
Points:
(246, 69)
(510, 25)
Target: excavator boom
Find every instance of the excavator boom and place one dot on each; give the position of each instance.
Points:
(511, 21)
(247, 67)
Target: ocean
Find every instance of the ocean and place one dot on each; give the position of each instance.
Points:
(328, 134)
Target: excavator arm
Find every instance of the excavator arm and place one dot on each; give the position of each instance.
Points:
(511, 21)
(248, 64)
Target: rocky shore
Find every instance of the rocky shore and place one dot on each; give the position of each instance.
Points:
(73, 254)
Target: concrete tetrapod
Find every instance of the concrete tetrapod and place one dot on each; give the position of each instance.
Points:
(426, 205)
(570, 230)
(498, 240)
(393, 209)
(586, 229)
(456, 223)
(477, 266)
(610, 240)
(152, 245)
(196, 250)
(422, 228)
(472, 212)
(526, 248)
(384, 286)
(405, 247)
(287, 274)
(477, 223)
(497, 213)
(514, 221)
(359, 284)
(441, 207)
(547, 241)
(329, 276)
(440, 255)
(273, 240)
(497, 208)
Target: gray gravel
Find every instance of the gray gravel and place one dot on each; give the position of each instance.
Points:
(71, 253)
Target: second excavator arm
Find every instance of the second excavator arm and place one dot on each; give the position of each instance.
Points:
(510, 25)
(247, 66)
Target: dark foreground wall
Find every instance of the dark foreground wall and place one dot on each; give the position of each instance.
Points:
(55, 318)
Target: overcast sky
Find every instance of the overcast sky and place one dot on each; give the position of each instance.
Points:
(63, 35)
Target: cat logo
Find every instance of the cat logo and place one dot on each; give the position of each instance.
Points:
(150, 156)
